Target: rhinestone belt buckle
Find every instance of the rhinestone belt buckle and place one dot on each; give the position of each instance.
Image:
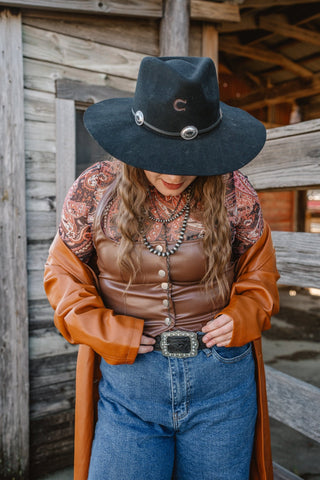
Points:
(165, 344)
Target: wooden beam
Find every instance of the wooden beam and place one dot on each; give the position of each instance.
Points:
(247, 22)
(76, 52)
(294, 402)
(38, 76)
(86, 93)
(285, 92)
(14, 391)
(263, 55)
(298, 258)
(210, 43)
(214, 12)
(134, 34)
(174, 32)
(135, 8)
(312, 15)
(290, 158)
(311, 109)
(271, 3)
(66, 150)
(281, 473)
(279, 25)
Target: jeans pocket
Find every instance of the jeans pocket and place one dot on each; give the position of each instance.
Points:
(231, 354)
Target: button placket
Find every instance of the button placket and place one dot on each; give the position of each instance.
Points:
(168, 321)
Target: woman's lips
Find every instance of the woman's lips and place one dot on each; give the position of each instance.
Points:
(172, 186)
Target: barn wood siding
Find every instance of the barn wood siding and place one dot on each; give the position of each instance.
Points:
(14, 391)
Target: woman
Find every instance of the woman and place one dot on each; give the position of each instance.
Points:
(170, 326)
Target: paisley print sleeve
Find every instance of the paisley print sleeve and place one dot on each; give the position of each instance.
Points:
(79, 208)
(248, 221)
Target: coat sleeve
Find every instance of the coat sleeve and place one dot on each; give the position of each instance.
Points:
(80, 314)
(254, 293)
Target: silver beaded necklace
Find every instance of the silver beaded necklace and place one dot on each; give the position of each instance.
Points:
(168, 252)
(165, 221)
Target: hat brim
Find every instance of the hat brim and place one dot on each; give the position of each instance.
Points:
(232, 144)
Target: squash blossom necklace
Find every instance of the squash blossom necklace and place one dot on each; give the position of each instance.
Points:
(169, 251)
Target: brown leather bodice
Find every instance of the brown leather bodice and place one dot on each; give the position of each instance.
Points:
(190, 305)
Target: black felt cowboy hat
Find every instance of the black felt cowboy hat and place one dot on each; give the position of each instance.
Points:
(175, 123)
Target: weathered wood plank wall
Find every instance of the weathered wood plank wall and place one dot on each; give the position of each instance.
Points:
(294, 403)
(288, 164)
(290, 159)
(14, 391)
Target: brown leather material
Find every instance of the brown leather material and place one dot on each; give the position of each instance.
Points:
(254, 294)
(193, 306)
(80, 316)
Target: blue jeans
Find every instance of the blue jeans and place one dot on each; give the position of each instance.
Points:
(182, 419)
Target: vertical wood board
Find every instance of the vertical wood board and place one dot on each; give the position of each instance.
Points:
(14, 393)
(66, 150)
(174, 32)
(195, 39)
(210, 43)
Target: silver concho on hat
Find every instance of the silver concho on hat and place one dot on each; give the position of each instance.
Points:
(139, 118)
(189, 133)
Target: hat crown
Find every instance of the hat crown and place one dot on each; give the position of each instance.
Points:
(176, 92)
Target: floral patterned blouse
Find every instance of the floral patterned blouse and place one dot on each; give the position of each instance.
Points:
(81, 202)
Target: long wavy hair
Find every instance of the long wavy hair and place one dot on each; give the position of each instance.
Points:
(131, 187)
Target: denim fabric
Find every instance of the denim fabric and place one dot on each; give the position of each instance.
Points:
(182, 419)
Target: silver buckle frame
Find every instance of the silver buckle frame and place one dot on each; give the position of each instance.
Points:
(194, 344)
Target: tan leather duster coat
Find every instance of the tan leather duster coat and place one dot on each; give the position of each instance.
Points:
(82, 318)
